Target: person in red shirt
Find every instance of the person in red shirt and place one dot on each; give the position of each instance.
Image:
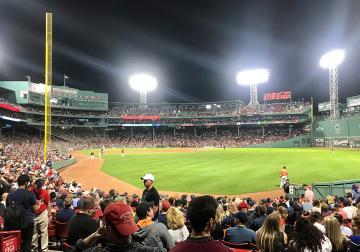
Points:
(50, 172)
(42, 217)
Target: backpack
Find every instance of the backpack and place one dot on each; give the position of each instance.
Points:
(14, 215)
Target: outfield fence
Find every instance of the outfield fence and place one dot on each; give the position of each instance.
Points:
(62, 164)
(323, 189)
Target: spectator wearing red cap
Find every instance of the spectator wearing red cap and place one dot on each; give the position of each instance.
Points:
(118, 228)
(244, 207)
(165, 205)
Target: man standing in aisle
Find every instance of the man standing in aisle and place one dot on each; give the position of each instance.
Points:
(283, 176)
(29, 203)
(42, 216)
(150, 194)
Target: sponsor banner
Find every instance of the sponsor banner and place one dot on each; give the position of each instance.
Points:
(340, 142)
(140, 118)
(354, 142)
(10, 244)
(353, 101)
(187, 125)
(284, 95)
(9, 107)
(324, 106)
(137, 125)
(319, 142)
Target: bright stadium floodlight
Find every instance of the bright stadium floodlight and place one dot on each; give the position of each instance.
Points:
(331, 61)
(252, 78)
(143, 83)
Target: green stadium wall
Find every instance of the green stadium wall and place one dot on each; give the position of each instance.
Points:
(303, 141)
(347, 127)
(338, 133)
(323, 189)
(62, 164)
(13, 90)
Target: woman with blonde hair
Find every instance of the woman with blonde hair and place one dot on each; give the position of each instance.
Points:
(333, 232)
(175, 221)
(283, 214)
(270, 237)
(218, 233)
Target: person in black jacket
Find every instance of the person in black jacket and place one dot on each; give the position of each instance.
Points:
(150, 194)
(286, 186)
(260, 218)
(82, 224)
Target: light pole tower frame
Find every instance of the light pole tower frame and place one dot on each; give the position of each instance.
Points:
(334, 93)
(253, 95)
(331, 61)
(143, 96)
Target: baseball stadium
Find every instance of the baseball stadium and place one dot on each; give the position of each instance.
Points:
(272, 153)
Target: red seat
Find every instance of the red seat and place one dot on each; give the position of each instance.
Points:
(67, 246)
(245, 246)
(10, 240)
(61, 231)
(51, 231)
(241, 250)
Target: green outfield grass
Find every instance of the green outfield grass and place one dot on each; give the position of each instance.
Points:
(231, 171)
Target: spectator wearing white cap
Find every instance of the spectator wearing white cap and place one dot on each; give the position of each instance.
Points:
(150, 194)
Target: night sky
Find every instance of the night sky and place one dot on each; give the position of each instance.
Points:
(194, 47)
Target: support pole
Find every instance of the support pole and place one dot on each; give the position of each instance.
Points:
(48, 82)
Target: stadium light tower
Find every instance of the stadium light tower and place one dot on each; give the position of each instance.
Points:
(331, 61)
(143, 83)
(252, 78)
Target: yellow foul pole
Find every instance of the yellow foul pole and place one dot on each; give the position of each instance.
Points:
(48, 82)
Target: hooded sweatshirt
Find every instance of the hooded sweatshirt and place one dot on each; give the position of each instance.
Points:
(154, 235)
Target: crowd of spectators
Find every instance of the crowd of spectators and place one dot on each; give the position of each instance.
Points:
(121, 221)
(188, 137)
(164, 110)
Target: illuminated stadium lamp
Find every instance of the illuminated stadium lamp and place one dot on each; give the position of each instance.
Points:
(208, 106)
(331, 61)
(143, 83)
(252, 78)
